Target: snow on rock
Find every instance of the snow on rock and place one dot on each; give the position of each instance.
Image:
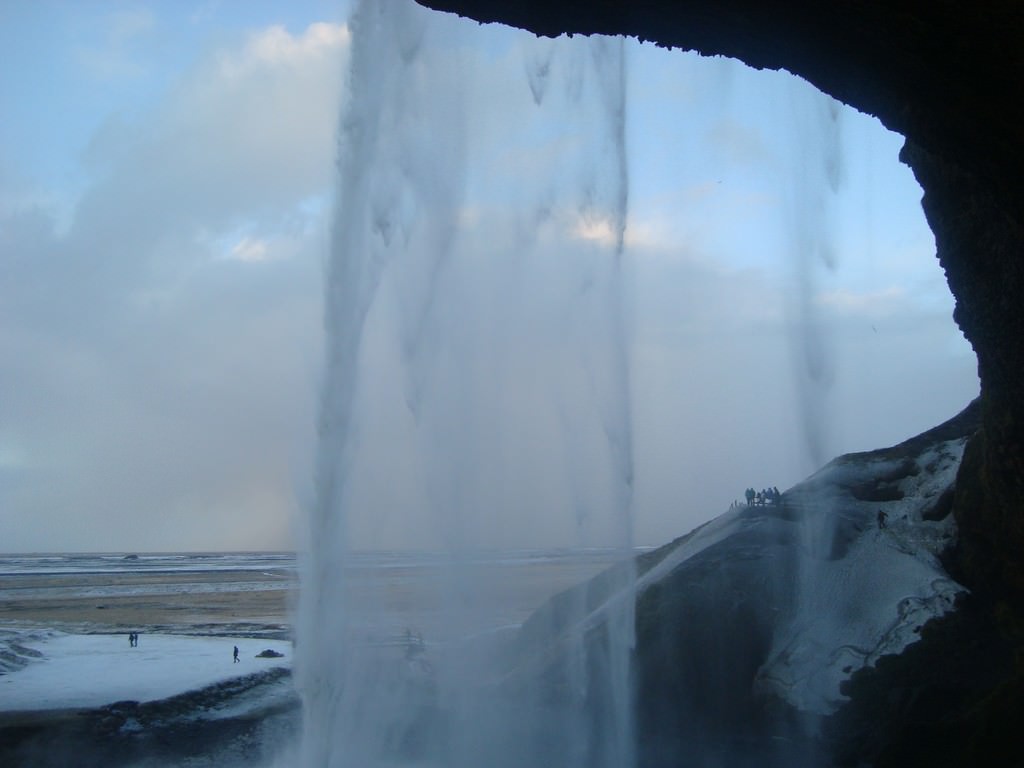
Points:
(886, 582)
(823, 578)
(94, 670)
(16, 649)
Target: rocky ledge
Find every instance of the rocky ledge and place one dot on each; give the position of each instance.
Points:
(239, 722)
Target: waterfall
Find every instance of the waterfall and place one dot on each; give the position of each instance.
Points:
(475, 394)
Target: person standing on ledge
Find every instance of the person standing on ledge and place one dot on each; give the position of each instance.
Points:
(236, 655)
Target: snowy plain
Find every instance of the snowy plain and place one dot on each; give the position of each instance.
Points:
(76, 670)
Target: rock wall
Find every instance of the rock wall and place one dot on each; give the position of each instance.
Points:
(946, 76)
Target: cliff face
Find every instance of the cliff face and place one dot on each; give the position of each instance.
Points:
(816, 630)
(946, 76)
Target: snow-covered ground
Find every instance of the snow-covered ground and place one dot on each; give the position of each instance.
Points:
(94, 670)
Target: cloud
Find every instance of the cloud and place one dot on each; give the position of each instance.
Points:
(276, 47)
(157, 355)
(250, 249)
(242, 131)
(596, 229)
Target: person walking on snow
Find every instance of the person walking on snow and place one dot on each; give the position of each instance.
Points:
(236, 655)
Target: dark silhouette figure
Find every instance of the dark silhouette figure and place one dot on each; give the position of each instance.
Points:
(749, 494)
(881, 518)
(236, 655)
(133, 639)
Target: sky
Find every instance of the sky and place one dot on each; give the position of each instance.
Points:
(167, 178)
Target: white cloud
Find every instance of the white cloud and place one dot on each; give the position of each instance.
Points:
(169, 389)
(276, 47)
(596, 229)
(649, 235)
(250, 145)
(250, 249)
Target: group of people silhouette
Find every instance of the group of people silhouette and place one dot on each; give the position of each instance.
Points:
(762, 497)
(133, 641)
